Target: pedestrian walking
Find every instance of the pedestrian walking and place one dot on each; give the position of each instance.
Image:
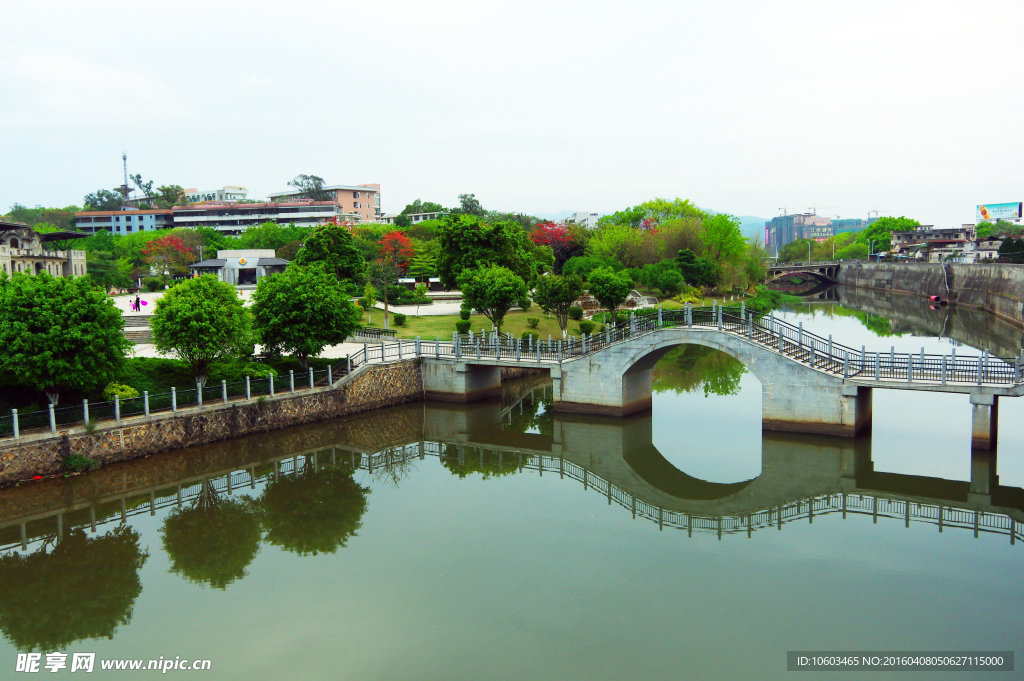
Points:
(138, 304)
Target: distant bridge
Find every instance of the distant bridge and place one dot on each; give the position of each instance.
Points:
(827, 270)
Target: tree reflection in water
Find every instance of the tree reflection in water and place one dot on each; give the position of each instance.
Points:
(482, 462)
(690, 368)
(214, 540)
(312, 512)
(81, 588)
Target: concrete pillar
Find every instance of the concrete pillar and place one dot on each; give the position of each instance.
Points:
(984, 476)
(453, 381)
(843, 411)
(984, 421)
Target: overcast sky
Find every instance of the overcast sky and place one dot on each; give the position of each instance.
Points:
(743, 107)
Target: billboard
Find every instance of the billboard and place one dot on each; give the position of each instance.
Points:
(818, 232)
(990, 212)
(766, 235)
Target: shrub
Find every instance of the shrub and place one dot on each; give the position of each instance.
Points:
(258, 371)
(399, 319)
(462, 326)
(587, 326)
(125, 392)
(525, 304)
(76, 463)
(361, 302)
(576, 313)
(152, 284)
(532, 322)
(531, 334)
(464, 314)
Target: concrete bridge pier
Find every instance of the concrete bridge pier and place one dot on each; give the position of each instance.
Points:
(457, 381)
(984, 421)
(984, 476)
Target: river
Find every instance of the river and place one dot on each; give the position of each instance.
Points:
(503, 541)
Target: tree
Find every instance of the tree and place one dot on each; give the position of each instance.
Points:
(584, 265)
(722, 238)
(370, 295)
(312, 187)
(697, 271)
(397, 248)
(107, 271)
(169, 195)
(301, 311)
(559, 237)
(556, 294)
(493, 290)
(202, 321)
(145, 187)
(620, 243)
(611, 288)
(467, 243)
(418, 206)
(469, 205)
(59, 334)
(653, 213)
(90, 583)
(332, 245)
(383, 274)
(664, 276)
(214, 541)
(103, 199)
(878, 235)
(313, 512)
(169, 254)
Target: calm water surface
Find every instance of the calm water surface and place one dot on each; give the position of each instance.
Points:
(500, 541)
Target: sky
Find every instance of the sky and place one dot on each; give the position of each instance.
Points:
(910, 108)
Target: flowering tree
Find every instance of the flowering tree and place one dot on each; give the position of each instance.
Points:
(396, 248)
(558, 237)
(168, 254)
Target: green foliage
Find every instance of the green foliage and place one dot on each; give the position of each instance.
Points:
(152, 284)
(59, 334)
(618, 243)
(880, 232)
(462, 326)
(103, 199)
(722, 238)
(332, 246)
(533, 322)
(125, 392)
(399, 319)
(584, 265)
(78, 463)
(107, 271)
(168, 196)
(469, 205)
(60, 218)
(90, 587)
(575, 312)
(663, 275)
(611, 288)
(535, 335)
(587, 326)
(314, 512)
(466, 242)
(311, 187)
(271, 235)
(202, 321)
(258, 371)
(301, 311)
(214, 541)
(464, 313)
(768, 299)
(690, 294)
(697, 271)
(691, 368)
(493, 290)
(556, 295)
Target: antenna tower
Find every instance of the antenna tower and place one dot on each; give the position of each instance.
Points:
(124, 187)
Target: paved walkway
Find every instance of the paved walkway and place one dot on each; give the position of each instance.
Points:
(332, 352)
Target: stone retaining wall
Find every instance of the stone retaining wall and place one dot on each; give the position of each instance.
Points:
(371, 387)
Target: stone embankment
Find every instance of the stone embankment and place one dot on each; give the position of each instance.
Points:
(995, 288)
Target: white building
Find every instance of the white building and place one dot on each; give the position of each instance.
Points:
(228, 192)
(126, 221)
(242, 267)
(584, 219)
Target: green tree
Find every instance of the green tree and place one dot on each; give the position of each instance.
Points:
(690, 368)
(654, 212)
(332, 245)
(169, 195)
(313, 512)
(556, 294)
(311, 187)
(383, 273)
(722, 238)
(611, 288)
(301, 311)
(145, 187)
(584, 265)
(213, 541)
(878, 235)
(468, 243)
(107, 271)
(493, 290)
(103, 199)
(90, 586)
(59, 334)
(469, 205)
(697, 271)
(202, 321)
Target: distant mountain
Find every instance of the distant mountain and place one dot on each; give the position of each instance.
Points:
(752, 226)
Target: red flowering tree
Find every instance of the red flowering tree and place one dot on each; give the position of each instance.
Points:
(396, 248)
(558, 236)
(168, 254)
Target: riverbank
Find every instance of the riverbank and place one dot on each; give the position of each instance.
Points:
(996, 288)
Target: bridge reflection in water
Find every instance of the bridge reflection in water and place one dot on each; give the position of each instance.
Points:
(802, 477)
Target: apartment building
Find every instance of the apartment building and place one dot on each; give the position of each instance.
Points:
(234, 218)
(361, 202)
(126, 221)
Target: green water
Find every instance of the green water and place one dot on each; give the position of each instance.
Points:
(502, 541)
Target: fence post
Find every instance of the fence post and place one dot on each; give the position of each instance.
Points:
(399, 350)
(224, 391)
(310, 378)
(878, 366)
(53, 420)
(559, 350)
(248, 389)
(417, 346)
(910, 367)
(271, 376)
(145, 402)
(117, 407)
(348, 364)
(174, 396)
(14, 420)
(846, 365)
(632, 324)
(943, 369)
(659, 316)
(291, 380)
(199, 395)
(830, 346)
(800, 334)
(720, 318)
(743, 309)
(85, 408)
(862, 358)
